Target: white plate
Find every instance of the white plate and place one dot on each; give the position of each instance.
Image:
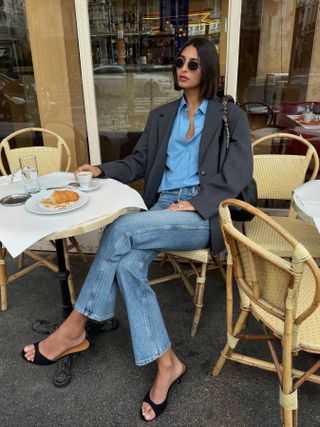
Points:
(34, 204)
(93, 186)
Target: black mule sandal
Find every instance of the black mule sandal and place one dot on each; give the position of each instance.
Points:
(158, 409)
(40, 359)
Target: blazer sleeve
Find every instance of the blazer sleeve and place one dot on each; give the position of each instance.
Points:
(236, 171)
(133, 166)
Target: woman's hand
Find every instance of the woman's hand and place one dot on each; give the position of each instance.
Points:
(96, 171)
(181, 206)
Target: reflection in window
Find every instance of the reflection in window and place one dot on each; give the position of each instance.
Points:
(134, 44)
(277, 60)
(18, 105)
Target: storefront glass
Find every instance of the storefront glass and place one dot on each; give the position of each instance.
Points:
(134, 44)
(279, 64)
(40, 76)
(18, 101)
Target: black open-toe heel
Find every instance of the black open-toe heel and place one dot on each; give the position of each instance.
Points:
(40, 359)
(158, 409)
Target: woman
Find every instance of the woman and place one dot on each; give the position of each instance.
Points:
(178, 156)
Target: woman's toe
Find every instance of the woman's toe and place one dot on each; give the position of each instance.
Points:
(147, 411)
(29, 352)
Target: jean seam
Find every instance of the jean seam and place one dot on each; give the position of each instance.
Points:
(166, 227)
(98, 282)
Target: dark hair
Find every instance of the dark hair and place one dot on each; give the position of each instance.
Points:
(209, 66)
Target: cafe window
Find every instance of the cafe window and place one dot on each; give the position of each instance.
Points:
(40, 76)
(18, 102)
(134, 44)
(279, 64)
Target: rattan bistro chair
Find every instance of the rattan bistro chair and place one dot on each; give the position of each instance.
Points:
(187, 264)
(277, 175)
(49, 159)
(283, 296)
(259, 114)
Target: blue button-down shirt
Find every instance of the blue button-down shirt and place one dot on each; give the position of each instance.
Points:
(182, 155)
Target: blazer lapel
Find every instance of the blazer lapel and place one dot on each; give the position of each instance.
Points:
(211, 124)
(165, 122)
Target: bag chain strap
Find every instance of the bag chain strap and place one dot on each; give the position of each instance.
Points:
(225, 120)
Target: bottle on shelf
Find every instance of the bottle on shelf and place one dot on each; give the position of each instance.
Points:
(307, 116)
(129, 53)
(120, 44)
(149, 56)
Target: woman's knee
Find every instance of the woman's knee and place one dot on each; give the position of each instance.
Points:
(122, 225)
(128, 263)
(135, 264)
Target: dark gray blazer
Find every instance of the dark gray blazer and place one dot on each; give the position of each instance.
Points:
(148, 160)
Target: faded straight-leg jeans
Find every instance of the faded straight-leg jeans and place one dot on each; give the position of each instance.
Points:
(127, 247)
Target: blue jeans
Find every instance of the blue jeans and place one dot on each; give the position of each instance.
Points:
(127, 247)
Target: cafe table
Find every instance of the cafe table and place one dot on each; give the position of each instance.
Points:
(21, 226)
(306, 202)
(300, 127)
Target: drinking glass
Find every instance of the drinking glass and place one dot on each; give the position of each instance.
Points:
(29, 170)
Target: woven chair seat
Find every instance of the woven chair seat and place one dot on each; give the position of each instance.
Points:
(307, 234)
(277, 174)
(199, 255)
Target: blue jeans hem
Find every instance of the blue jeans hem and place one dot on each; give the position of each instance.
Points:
(154, 357)
(93, 316)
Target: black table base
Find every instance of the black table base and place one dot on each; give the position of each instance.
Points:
(62, 376)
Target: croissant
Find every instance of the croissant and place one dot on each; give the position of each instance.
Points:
(63, 196)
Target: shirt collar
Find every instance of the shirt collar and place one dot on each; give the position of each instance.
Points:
(202, 107)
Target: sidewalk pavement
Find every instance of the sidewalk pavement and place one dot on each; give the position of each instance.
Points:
(107, 388)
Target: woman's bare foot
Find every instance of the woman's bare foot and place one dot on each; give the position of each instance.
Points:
(169, 370)
(69, 334)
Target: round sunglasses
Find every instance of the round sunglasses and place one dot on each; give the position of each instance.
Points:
(192, 64)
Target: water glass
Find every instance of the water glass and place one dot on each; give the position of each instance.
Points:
(29, 171)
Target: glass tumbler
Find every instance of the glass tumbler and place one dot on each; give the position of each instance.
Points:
(29, 170)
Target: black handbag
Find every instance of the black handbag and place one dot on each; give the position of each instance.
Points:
(249, 193)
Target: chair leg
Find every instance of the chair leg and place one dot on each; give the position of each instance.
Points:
(21, 261)
(198, 298)
(75, 244)
(68, 267)
(288, 418)
(3, 283)
(288, 400)
(227, 351)
(217, 263)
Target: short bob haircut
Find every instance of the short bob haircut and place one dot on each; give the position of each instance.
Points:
(209, 66)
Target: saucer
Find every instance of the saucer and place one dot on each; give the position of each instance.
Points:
(95, 184)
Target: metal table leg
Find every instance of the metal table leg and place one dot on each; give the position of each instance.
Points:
(63, 274)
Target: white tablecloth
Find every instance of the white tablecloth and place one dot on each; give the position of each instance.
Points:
(19, 228)
(307, 200)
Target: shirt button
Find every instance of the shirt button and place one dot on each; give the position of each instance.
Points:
(203, 173)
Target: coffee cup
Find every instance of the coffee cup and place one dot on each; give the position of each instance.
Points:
(84, 178)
